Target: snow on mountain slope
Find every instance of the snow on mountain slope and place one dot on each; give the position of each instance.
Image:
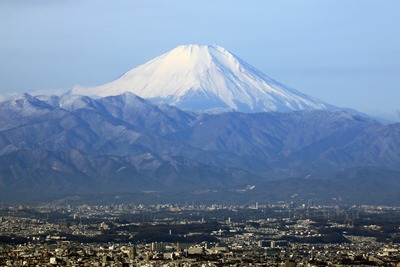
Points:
(25, 103)
(205, 77)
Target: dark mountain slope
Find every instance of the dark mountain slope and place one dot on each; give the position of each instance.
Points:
(53, 146)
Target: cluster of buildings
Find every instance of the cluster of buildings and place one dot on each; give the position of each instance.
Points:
(65, 253)
(270, 236)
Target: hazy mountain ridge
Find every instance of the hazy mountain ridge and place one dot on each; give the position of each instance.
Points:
(62, 145)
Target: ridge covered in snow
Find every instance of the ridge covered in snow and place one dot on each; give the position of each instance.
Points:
(204, 78)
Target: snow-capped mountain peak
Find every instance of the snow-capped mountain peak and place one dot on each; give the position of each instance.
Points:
(205, 77)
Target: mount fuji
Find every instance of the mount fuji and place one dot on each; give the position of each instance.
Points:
(205, 78)
(130, 141)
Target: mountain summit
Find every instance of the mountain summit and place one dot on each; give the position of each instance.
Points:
(204, 78)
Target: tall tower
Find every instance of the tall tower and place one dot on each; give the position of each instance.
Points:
(132, 252)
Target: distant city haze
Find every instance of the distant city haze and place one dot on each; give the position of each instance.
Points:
(345, 53)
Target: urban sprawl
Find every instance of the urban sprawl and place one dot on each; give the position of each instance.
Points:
(190, 234)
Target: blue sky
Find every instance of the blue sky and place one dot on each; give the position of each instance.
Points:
(346, 53)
